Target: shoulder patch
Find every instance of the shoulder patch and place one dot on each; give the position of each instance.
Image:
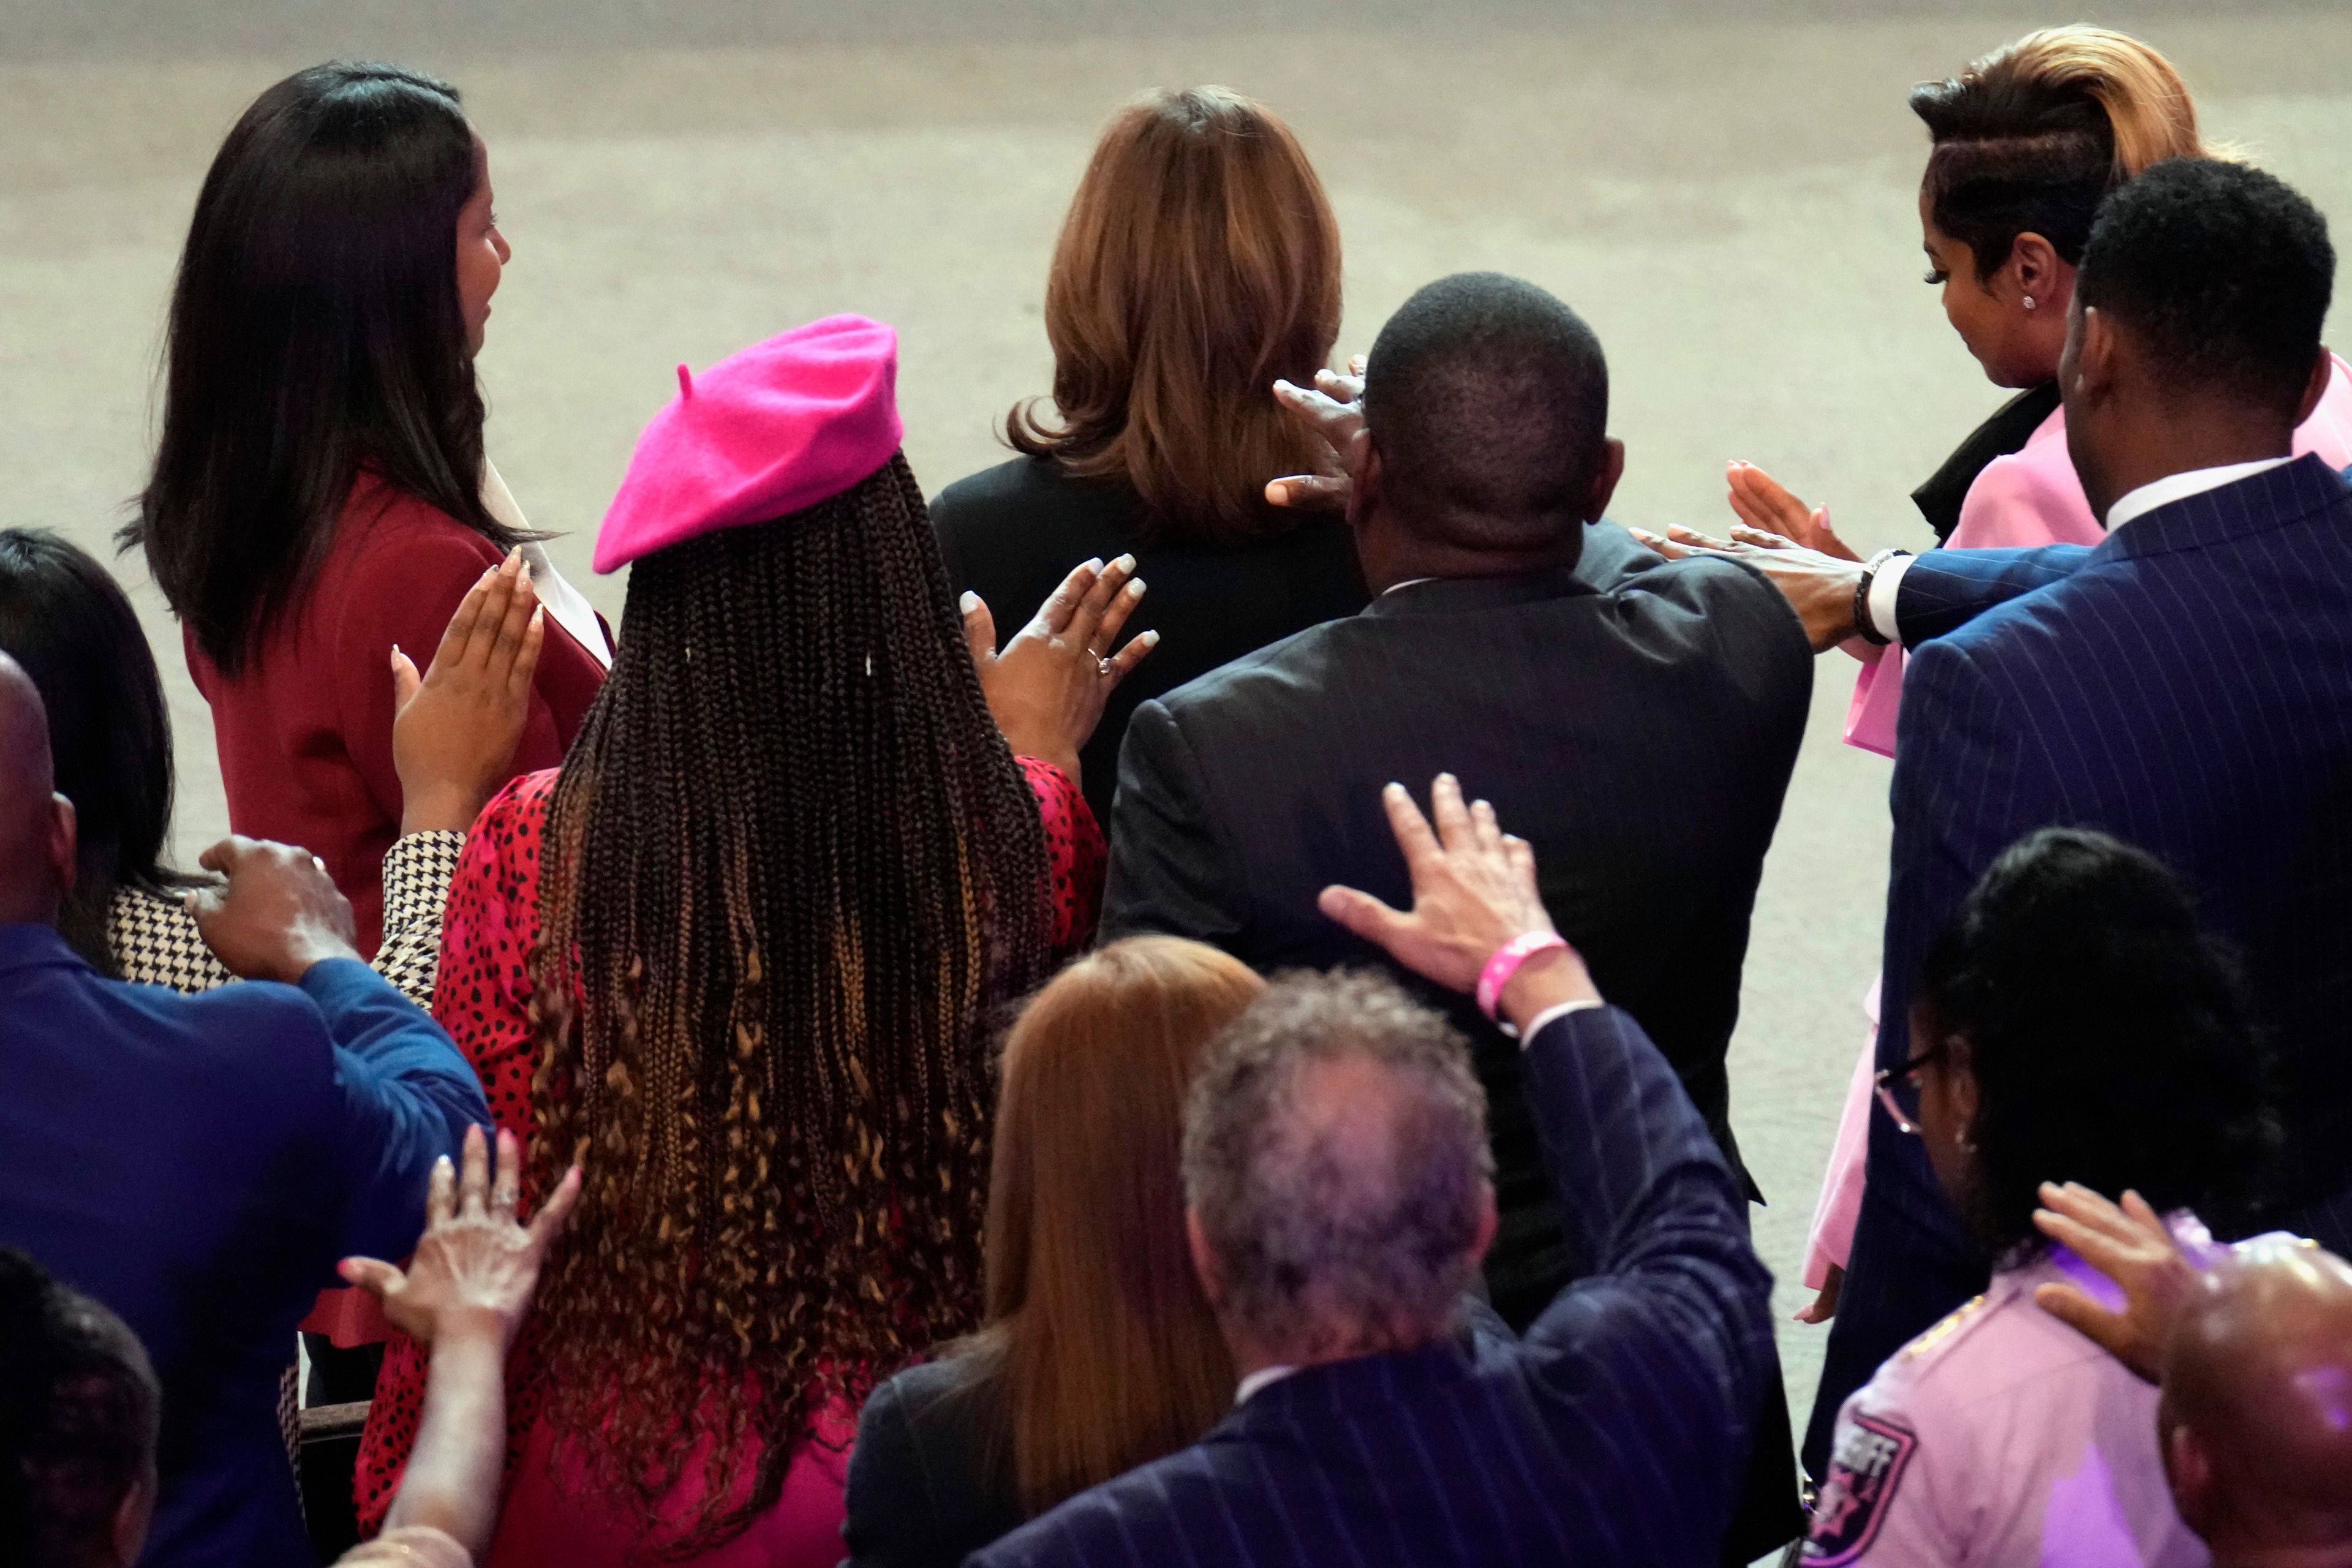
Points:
(1872, 1453)
(1952, 1325)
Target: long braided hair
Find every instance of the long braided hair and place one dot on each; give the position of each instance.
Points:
(791, 872)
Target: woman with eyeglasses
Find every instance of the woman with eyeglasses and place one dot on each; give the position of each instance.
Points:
(2074, 1024)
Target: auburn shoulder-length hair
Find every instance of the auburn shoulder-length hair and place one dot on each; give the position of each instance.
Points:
(1199, 262)
(1099, 1344)
(2031, 138)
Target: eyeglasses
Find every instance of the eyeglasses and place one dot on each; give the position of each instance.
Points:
(1898, 1089)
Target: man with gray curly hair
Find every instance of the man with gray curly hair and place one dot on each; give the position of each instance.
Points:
(1337, 1170)
(1340, 1197)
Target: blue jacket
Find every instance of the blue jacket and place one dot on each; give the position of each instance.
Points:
(199, 1164)
(2186, 685)
(1616, 1431)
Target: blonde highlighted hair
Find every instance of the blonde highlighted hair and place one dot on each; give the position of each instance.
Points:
(2031, 138)
(1199, 262)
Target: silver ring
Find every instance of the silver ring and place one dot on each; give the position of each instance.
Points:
(1102, 670)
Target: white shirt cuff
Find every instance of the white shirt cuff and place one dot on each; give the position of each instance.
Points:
(1559, 1010)
(1882, 589)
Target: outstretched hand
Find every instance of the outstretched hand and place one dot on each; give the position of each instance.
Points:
(455, 727)
(1474, 893)
(476, 1265)
(1047, 689)
(1819, 586)
(1764, 504)
(2132, 1246)
(1333, 414)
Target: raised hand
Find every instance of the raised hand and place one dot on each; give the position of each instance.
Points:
(1047, 687)
(455, 729)
(476, 1265)
(1474, 893)
(1333, 412)
(1766, 506)
(277, 912)
(2131, 1245)
(1818, 585)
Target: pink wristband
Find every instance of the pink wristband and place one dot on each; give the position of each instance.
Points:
(1506, 963)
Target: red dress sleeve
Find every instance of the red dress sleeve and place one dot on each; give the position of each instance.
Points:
(482, 999)
(403, 585)
(1074, 855)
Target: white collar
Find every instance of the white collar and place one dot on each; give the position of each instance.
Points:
(1408, 583)
(1261, 1378)
(2181, 486)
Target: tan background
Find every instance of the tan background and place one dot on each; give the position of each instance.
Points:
(1726, 191)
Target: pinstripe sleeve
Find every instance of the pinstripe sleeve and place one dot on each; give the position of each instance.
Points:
(1942, 590)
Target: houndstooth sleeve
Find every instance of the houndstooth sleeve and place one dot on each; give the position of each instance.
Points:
(156, 943)
(417, 872)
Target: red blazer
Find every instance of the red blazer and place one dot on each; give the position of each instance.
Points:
(305, 733)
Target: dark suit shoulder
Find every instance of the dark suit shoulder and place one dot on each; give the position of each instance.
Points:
(928, 1481)
(1200, 1504)
(1030, 500)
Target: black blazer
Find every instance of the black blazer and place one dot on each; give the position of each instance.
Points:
(930, 1477)
(1615, 1432)
(1012, 533)
(1635, 721)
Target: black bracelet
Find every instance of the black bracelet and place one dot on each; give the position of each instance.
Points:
(1862, 623)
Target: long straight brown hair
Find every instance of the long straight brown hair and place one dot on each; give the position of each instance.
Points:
(1200, 261)
(1099, 1339)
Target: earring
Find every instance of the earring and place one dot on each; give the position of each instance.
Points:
(2029, 301)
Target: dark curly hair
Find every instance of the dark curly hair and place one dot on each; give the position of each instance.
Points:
(80, 1408)
(2224, 272)
(2107, 1036)
(793, 875)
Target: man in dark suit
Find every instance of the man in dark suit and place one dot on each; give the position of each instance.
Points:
(2186, 686)
(1336, 1181)
(199, 1164)
(1517, 642)
(1560, 671)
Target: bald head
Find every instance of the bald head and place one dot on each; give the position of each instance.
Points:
(36, 838)
(2257, 1411)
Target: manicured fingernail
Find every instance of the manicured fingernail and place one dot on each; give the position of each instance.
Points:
(968, 602)
(1125, 562)
(1148, 639)
(1094, 564)
(1135, 589)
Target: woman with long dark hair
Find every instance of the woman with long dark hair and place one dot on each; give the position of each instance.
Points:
(1100, 1352)
(320, 495)
(739, 957)
(1199, 263)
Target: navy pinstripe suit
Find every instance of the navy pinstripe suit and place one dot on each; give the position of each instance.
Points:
(2186, 686)
(1614, 1432)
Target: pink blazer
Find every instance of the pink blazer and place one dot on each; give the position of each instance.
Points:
(2031, 496)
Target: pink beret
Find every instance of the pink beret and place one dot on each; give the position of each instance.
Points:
(773, 428)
